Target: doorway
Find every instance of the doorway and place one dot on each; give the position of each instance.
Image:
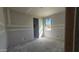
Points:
(36, 27)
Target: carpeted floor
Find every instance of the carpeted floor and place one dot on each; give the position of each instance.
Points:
(44, 44)
(41, 45)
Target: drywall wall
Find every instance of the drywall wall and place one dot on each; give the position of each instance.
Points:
(58, 18)
(19, 29)
(3, 37)
(58, 26)
(18, 18)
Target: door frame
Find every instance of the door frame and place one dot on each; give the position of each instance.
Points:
(70, 29)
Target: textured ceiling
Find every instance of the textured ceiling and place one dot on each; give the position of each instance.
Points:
(39, 11)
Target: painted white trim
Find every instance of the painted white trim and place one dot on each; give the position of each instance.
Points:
(8, 15)
(3, 50)
(27, 26)
(17, 25)
(2, 23)
(2, 31)
(58, 24)
(74, 29)
(59, 28)
(19, 29)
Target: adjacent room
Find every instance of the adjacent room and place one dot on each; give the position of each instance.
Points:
(32, 29)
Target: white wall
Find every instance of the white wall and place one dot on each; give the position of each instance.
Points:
(19, 28)
(58, 26)
(18, 18)
(3, 37)
(59, 18)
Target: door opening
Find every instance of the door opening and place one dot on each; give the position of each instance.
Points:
(36, 27)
